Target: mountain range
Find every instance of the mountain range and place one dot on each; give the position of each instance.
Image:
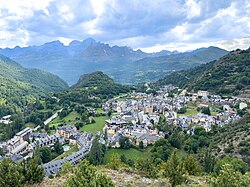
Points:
(123, 64)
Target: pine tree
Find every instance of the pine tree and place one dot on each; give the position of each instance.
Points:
(116, 162)
(191, 166)
(97, 152)
(10, 174)
(209, 162)
(174, 170)
(146, 167)
(141, 145)
(58, 148)
(34, 173)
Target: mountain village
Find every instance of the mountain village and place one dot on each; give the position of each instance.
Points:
(136, 116)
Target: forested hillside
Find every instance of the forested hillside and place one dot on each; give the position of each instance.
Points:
(93, 88)
(97, 78)
(225, 76)
(19, 84)
(153, 68)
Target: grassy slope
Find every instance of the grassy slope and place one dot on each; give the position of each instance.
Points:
(67, 153)
(69, 119)
(97, 126)
(28, 80)
(131, 153)
(30, 125)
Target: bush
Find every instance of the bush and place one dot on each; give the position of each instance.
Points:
(183, 110)
(51, 176)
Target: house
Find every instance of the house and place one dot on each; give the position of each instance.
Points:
(66, 131)
(114, 140)
(147, 139)
(83, 138)
(38, 135)
(85, 142)
(115, 121)
(73, 140)
(202, 93)
(24, 134)
(49, 140)
(226, 108)
(112, 129)
(18, 143)
(13, 143)
(242, 106)
(91, 111)
(148, 109)
(20, 148)
(6, 119)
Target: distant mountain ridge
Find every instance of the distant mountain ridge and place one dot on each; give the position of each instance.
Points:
(159, 67)
(123, 64)
(228, 75)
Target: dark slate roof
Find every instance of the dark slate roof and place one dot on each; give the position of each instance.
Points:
(52, 168)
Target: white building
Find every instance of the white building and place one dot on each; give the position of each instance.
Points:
(202, 93)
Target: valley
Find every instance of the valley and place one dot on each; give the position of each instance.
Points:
(123, 64)
(134, 131)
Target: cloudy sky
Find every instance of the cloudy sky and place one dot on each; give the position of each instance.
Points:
(151, 25)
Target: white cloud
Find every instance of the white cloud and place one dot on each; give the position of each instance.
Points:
(25, 8)
(65, 13)
(150, 25)
(13, 16)
(98, 6)
(240, 43)
(193, 9)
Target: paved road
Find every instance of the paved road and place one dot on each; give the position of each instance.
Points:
(52, 117)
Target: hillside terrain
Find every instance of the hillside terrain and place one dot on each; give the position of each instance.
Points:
(93, 79)
(94, 88)
(199, 158)
(233, 140)
(19, 89)
(153, 68)
(18, 82)
(226, 76)
(123, 64)
(125, 179)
